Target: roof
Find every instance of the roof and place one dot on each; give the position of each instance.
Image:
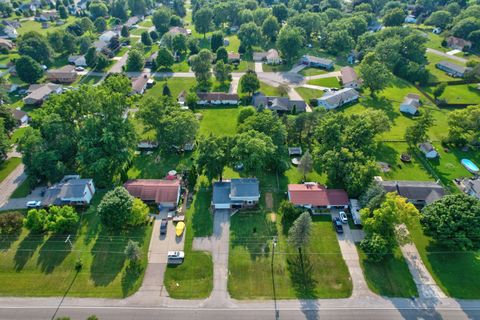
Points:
(233, 56)
(316, 195)
(294, 151)
(318, 60)
(413, 96)
(217, 96)
(65, 70)
(18, 114)
(39, 92)
(337, 97)
(458, 42)
(156, 190)
(426, 147)
(139, 83)
(473, 184)
(348, 75)
(411, 102)
(244, 187)
(415, 190)
(177, 30)
(7, 43)
(278, 103)
(221, 192)
(272, 54)
(453, 66)
(71, 188)
(259, 55)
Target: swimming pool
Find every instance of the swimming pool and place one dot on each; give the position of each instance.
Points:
(472, 167)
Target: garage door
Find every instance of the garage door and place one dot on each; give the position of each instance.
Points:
(222, 206)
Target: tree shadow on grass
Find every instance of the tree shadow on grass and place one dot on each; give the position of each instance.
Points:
(301, 271)
(381, 103)
(26, 249)
(6, 241)
(52, 253)
(130, 277)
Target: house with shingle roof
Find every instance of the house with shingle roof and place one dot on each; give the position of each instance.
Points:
(417, 192)
(317, 62)
(20, 116)
(458, 43)
(280, 105)
(72, 190)
(65, 74)
(335, 99)
(411, 104)
(217, 98)
(39, 92)
(428, 150)
(139, 84)
(350, 78)
(235, 193)
(270, 57)
(452, 69)
(313, 195)
(165, 193)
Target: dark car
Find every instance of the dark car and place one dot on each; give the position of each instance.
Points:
(337, 224)
(163, 226)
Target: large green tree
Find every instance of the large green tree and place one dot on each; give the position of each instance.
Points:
(201, 64)
(375, 74)
(36, 46)
(253, 149)
(249, 82)
(213, 155)
(202, 20)
(115, 209)
(28, 70)
(289, 42)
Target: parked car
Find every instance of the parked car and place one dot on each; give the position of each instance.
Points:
(337, 224)
(175, 257)
(343, 217)
(79, 68)
(34, 204)
(163, 226)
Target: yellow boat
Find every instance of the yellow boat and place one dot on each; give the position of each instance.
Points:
(179, 228)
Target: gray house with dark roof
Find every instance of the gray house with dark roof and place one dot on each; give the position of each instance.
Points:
(317, 62)
(72, 190)
(452, 68)
(280, 105)
(417, 192)
(235, 193)
(335, 99)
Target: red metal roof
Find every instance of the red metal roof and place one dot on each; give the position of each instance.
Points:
(157, 190)
(316, 195)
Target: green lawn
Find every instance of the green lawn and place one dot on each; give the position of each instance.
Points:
(22, 190)
(157, 165)
(326, 82)
(234, 43)
(44, 265)
(455, 272)
(7, 166)
(90, 80)
(181, 66)
(146, 23)
(312, 72)
(462, 94)
(193, 279)
(276, 68)
(325, 274)
(176, 86)
(308, 94)
(213, 116)
(390, 277)
(437, 74)
(244, 66)
(31, 25)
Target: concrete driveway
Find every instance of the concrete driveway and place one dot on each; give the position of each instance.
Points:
(161, 244)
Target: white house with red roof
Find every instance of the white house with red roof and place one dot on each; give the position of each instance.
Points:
(314, 195)
(165, 193)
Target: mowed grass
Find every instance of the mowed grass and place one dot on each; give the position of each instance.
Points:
(193, 279)
(437, 74)
(390, 277)
(250, 277)
(455, 272)
(462, 94)
(7, 166)
(22, 190)
(312, 72)
(308, 94)
(176, 86)
(331, 82)
(44, 265)
(219, 121)
(31, 25)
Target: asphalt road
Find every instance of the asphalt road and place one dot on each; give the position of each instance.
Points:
(129, 313)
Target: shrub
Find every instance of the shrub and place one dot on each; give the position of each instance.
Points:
(11, 223)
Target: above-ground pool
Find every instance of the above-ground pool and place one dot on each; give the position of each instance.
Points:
(472, 167)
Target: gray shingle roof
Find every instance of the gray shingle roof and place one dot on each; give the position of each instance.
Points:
(337, 97)
(221, 192)
(248, 187)
(278, 103)
(415, 190)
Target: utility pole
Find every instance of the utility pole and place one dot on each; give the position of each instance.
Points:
(277, 313)
(69, 242)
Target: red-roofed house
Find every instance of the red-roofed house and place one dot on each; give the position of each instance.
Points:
(165, 193)
(314, 195)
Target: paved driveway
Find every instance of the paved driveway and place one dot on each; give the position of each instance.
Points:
(161, 244)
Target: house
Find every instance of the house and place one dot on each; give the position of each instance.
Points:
(46, 16)
(417, 192)
(182, 97)
(317, 62)
(411, 104)
(335, 99)
(458, 43)
(217, 98)
(280, 105)
(428, 150)
(39, 92)
(100, 45)
(313, 195)
(77, 60)
(410, 19)
(235, 193)
(20, 116)
(165, 193)
(270, 57)
(178, 30)
(471, 186)
(65, 74)
(72, 190)
(233, 57)
(295, 151)
(452, 69)
(107, 36)
(6, 44)
(8, 32)
(151, 60)
(350, 78)
(133, 21)
(139, 84)
(147, 145)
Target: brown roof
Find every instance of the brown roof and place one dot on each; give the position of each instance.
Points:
(413, 96)
(233, 56)
(217, 96)
(348, 75)
(316, 195)
(159, 191)
(18, 114)
(138, 84)
(7, 43)
(177, 30)
(65, 70)
(458, 42)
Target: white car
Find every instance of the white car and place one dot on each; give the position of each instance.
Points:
(343, 217)
(79, 68)
(34, 204)
(176, 254)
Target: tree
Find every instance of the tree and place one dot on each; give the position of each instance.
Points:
(139, 212)
(203, 20)
(119, 10)
(466, 26)
(212, 156)
(125, 33)
(289, 213)
(70, 43)
(35, 220)
(36, 46)
(191, 100)
(9, 123)
(244, 113)
(161, 20)
(201, 64)
(164, 58)
(132, 251)
(222, 72)
(250, 35)
(439, 90)
(394, 17)
(439, 19)
(86, 24)
(146, 39)
(270, 28)
(280, 12)
(179, 43)
(166, 91)
(115, 209)
(216, 41)
(61, 220)
(339, 41)
(375, 247)
(135, 60)
(98, 9)
(253, 149)
(373, 197)
(91, 57)
(306, 164)
(28, 70)
(11, 223)
(55, 39)
(62, 12)
(375, 74)
(222, 54)
(299, 233)
(193, 45)
(100, 24)
(138, 7)
(102, 62)
(84, 43)
(290, 41)
(453, 221)
(249, 82)
(464, 126)
(417, 133)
